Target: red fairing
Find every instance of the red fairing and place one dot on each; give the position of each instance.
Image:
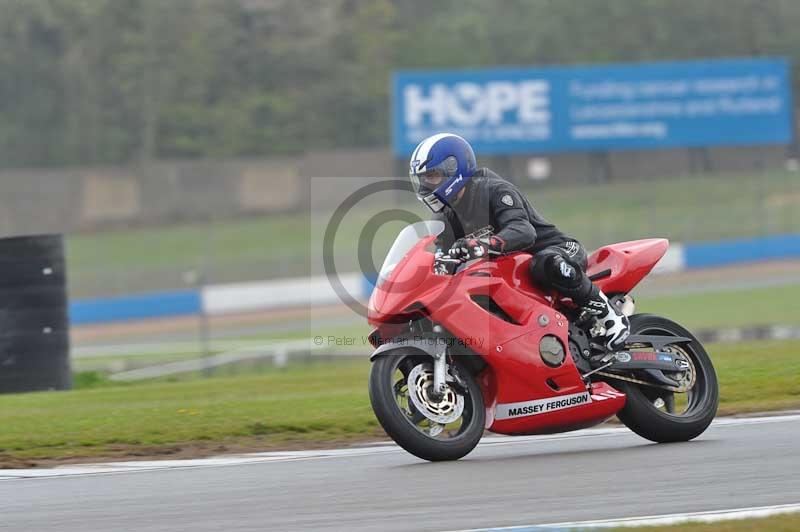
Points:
(629, 263)
(412, 281)
(522, 394)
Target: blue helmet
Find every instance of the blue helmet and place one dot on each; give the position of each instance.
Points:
(440, 167)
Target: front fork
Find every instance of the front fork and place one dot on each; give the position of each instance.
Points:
(439, 368)
(440, 373)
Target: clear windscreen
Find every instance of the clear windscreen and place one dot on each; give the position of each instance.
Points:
(406, 240)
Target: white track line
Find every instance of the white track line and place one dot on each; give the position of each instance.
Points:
(284, 456)
(654, 520)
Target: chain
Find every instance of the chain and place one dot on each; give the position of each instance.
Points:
(678, 389)
(681, 389)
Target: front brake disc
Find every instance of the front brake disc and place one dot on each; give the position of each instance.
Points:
(420, 384)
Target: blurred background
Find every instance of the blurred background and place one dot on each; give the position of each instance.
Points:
(193, 150)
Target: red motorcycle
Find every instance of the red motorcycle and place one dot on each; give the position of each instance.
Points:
(463, 348)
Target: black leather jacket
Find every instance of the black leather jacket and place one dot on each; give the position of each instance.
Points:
(490, 200)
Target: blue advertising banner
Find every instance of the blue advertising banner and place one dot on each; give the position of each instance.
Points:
(626, 106)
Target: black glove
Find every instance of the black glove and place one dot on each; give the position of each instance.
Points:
(476, 248)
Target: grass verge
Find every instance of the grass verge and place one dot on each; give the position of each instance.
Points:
(319, 403)
(756, 306)
(323, 404)
(778, 523)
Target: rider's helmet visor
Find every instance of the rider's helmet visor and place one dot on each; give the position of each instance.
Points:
(426, 182)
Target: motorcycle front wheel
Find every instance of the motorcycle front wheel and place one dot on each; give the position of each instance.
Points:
(431, 428)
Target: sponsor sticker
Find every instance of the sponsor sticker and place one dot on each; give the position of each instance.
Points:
(623, 357)
(449, 189)
(541, 406)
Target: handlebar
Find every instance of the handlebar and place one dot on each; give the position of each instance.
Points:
(442, 264)
(441, 261)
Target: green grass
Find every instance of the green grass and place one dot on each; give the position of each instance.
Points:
(757, 306)
(324, 402)
(683, 209)
(320, 403)
(757, 376)
(778, 523)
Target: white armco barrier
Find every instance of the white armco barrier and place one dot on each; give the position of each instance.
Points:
(286, 293)
(317, 291)
(673, 261)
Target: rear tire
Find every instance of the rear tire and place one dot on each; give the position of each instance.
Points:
(642, 417)
(398, 426)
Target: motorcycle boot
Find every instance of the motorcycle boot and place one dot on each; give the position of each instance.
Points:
(611, 325)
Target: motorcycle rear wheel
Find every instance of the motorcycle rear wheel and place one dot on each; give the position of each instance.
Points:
(407, 426)
(641, 414)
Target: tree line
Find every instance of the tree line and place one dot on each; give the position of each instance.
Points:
(86, 82)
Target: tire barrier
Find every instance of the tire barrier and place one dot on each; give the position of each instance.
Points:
(34, 317)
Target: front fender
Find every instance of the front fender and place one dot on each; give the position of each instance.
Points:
(427, 346)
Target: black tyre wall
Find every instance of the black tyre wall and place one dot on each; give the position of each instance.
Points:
(34, 318)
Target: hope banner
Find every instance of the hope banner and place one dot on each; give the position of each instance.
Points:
(626, 106)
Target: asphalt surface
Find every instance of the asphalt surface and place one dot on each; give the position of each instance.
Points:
(508, 482)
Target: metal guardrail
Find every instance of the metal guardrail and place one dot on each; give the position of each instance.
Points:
(281, 352)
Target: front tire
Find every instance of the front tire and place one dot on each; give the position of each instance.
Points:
(404, 422)
(641, 413)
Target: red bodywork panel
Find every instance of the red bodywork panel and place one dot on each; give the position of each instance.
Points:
(522, 394)
(629, 263)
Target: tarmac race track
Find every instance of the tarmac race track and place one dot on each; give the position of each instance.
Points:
(609, 473)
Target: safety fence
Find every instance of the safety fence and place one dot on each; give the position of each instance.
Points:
(125, 365)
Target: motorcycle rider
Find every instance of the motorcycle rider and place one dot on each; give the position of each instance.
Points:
(446, 178)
